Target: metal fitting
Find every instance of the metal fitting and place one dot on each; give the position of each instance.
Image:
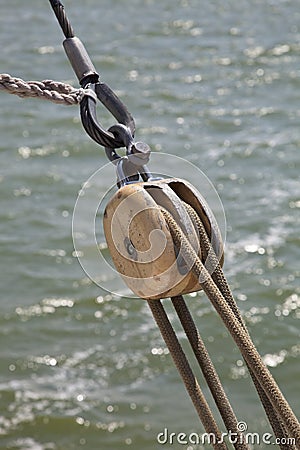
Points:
(80, 60)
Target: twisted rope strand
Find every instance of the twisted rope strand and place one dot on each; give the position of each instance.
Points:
(54, 91)
(278, 426)
(186, 373)
(235, 328)
(209, 372)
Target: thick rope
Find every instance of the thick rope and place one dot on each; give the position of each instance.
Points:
(53, 91)
(186, 373)
(209, 372)
(212, 262)
(235, 328)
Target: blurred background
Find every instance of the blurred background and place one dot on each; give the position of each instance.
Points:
(216, 83)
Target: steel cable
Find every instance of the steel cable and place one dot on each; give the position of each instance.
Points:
(63, 21)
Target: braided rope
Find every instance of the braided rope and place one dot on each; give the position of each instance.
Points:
(53, 91)
(209, 372)
(186, 373)
(218, 277)
(236, 329)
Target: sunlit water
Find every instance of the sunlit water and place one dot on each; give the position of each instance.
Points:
(216, 83)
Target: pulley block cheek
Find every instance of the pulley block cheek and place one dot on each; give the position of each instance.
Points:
(140, 242)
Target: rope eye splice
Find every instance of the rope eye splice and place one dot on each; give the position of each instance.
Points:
(131, 166)
(191, 259)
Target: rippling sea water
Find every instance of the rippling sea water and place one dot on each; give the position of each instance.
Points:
(216, 83)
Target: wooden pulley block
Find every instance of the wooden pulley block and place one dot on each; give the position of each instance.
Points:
(140, 242)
